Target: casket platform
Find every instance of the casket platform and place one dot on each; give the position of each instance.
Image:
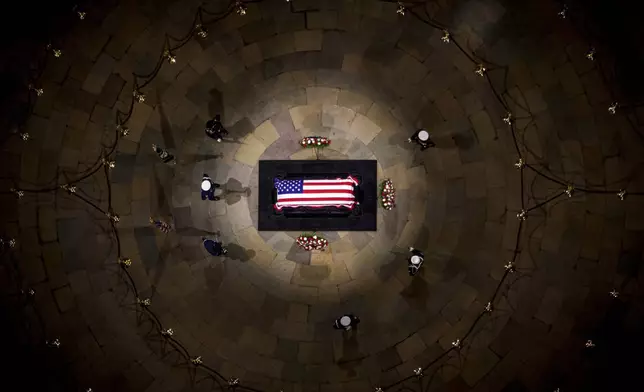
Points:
(317, 195)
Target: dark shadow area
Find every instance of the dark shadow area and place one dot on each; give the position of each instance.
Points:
(159, 268)
(351, 354)
(215, 103)
(200, 158)
(233, 191)
(616, 24)
(214, 275)
(162, 192)
(417, 292)
(166, 126)
(239, 253)
(238, 131)
(192, 232)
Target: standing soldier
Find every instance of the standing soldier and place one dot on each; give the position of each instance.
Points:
(215, 129)
(422, 137)
(208, 188)
(214, 246)
(346, 322)
(164, 155)
(415, 261)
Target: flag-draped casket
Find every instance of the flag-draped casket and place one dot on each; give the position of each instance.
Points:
(315, 193)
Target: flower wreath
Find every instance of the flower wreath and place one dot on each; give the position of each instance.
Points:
(387, 195)
(311, 242)
(315, 142)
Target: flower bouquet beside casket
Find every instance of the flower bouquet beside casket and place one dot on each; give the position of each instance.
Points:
(315, 142)
(387, 195)
(311, 242)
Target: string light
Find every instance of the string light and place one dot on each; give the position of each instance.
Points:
(508, 118)
(125, 262)
(522, 215)
(167, 332)
(68, 188)
(563, 12)
(38, 91)
(589, 344)
(18, 193)
(488, 307)
(81, 14)
(138, 96)
(509, 267)
(569, 190)
(144, 302)
(590, 55)
(29, 292)
(520, 164)
(621, 194)
(418, 372)
(57, 52)
(113, 217)
(201, 32)
(456, 343)
(11, 242)
(240, 8)
(613, 108)
(446, 36)
(614, 293)
(89, 390)
(378, 389)
(401, 9)
(196, 361)
(24, 136)
(480, 70)
(233, 382)
(171, 58)
(108, 163)
(53, 343)
(123, 130)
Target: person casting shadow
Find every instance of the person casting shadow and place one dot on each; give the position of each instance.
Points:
(214, 246)
(208, 188)
(421, 137)
(215, 129)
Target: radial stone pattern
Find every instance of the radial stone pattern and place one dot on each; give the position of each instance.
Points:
(366, 77)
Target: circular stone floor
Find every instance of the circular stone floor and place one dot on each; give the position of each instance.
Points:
(365, 77)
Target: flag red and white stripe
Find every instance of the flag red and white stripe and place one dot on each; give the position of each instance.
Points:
(293, 193)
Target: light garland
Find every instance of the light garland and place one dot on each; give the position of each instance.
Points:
(201, 32)
(240, 8)
(311, 242)
(315, 142)
(401, 10)
(446, 36)
(172, 59)
(387, 195)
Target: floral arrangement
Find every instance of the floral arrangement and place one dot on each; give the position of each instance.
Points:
(315, 142)
(311, 242)
(387, 195)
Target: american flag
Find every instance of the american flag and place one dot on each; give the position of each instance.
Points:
(315, 193)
